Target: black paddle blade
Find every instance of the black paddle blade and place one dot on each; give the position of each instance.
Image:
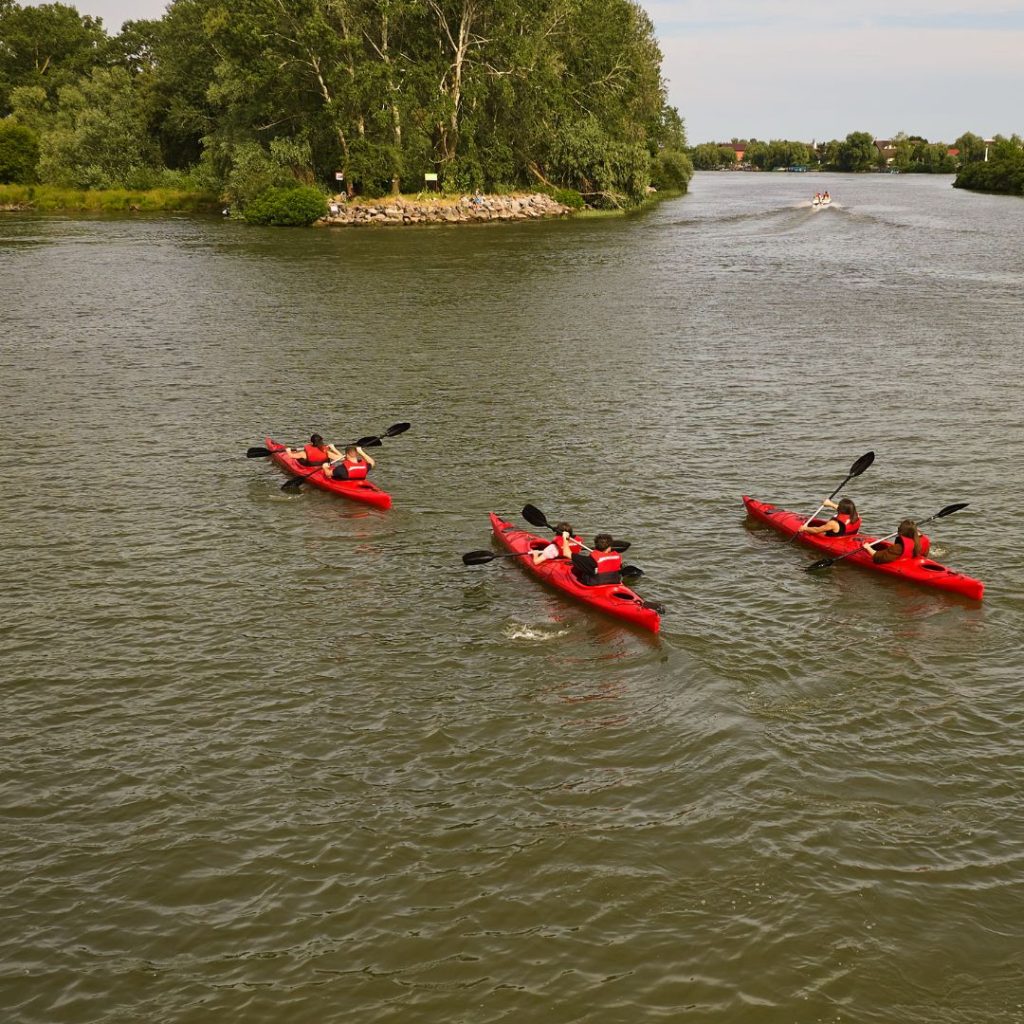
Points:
(396, 429)
(478, 557)
(294, 484)
(257, 453)
(950, 509)
(634, 572)
(654, 606)
(862, 463)
(535, 517)
(822, 563)
(621, 546)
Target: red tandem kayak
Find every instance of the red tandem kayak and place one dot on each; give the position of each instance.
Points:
(613, 598)
(916, 570)
(357, 490)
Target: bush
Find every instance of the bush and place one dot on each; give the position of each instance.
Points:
(287, 207)
(568, 197)
(671, 170)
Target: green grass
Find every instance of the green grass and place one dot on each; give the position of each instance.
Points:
(52, 199)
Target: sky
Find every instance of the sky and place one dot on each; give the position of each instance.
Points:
(793, 69)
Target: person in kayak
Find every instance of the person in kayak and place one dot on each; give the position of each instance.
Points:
(910, 543)
(564, 545)
(845, 523)
(355, 464)
(316, 453)
(601, 567)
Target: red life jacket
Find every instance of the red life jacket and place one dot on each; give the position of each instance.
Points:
(847, 526)
(907, 543)
(607, 561)
(315, 456)
(355, 468)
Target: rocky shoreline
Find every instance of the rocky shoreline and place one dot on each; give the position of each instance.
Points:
(397, 210)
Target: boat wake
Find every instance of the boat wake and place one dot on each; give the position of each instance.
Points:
(520, 631)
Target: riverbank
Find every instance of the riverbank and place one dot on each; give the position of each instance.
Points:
(428, 209)
(52, 199)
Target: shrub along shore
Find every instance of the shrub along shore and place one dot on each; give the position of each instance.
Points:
(54, 199)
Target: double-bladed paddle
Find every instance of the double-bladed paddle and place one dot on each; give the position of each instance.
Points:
(535, 517)
(482, 557)
(825, 563)
(855, 470)
(373, 441)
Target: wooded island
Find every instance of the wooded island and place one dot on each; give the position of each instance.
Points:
(369, 97)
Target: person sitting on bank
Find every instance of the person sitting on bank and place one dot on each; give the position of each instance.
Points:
(316, 453)
(910, 543)
(845, 523)
(601, 567)
(353, 465)
(564, 545)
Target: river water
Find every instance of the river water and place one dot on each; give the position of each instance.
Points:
(273, 758)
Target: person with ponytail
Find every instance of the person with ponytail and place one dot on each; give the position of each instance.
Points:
(845, 523)
(910, 543)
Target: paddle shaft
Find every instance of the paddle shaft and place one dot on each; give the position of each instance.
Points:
(829, 562)
(368, 442)
(855, 470)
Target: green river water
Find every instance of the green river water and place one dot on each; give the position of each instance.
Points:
(282, 759)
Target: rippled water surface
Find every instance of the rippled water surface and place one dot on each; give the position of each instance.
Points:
(273, 758)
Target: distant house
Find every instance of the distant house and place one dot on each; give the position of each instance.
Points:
(887, 148)
(952, 151)
(740, 149)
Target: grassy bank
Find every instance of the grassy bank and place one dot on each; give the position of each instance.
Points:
(52, 199)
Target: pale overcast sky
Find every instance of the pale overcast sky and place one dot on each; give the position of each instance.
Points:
(797, 69)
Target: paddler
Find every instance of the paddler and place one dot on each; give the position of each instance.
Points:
(910, 543)
(355, 464)
(845, 523)
(316, 453)
(601, 567)
(564, 545)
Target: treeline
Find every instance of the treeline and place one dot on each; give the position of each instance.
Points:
(909, 154)
(247, 95)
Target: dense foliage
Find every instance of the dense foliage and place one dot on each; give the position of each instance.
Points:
(291, 207)
(19, 153)
(257, 94)
(1003, 172)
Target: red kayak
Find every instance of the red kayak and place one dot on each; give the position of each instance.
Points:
(613, 598)
(915, 570)
(357, 490)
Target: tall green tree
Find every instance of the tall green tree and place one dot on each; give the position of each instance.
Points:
(99, 137)
(47, 46)
(857, 152)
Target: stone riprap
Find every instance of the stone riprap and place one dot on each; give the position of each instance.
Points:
(423, 210)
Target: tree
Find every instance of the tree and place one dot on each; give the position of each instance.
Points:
(971, 147)
(19, 153)
(857, 152)
(48, 46)
(98, 138)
